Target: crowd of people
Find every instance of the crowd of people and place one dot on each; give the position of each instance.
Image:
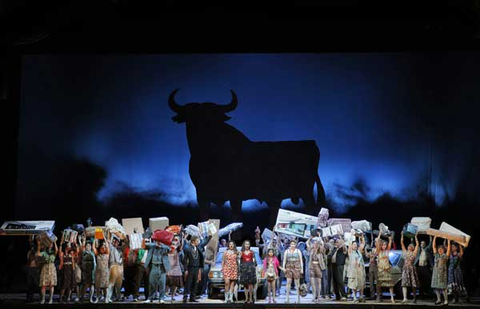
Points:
(328, 268)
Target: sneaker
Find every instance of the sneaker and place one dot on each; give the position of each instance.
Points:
(51, 301)
(161, 301)
(147, 301)
(135, 299)
(343, 299)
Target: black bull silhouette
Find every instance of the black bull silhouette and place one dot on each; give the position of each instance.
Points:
(226, 166)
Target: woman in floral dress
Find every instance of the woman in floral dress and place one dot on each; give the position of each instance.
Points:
(68, 256)
(409, 272)
(230, 270)
(439, 276)
(48, 274)
(384, 267)
(356, 270)
(102, 271)
(455, 277)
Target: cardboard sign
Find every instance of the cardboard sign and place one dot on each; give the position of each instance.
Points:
(159, 223)
(26, 227)
(212, 246)
(294, 223)
(130, 224)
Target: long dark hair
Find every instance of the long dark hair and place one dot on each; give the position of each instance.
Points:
(234, 245)
(243, 244)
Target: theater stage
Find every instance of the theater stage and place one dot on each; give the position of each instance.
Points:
(18, 301)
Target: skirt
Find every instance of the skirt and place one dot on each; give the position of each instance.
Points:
(292, 270)
(247, 273)
(455, 281)
(230, 271)
(69, 281)
(385, 278)
(48, 275)
(87, 273)
(78, 274)
(315, 271)
(174, 281)
(409, 276)
(439, 278)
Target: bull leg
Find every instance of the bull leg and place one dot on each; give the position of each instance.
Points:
(310, 206)
(274, 206)
(236, 207)
(204, 206)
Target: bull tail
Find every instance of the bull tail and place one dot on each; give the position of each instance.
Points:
(320, 192)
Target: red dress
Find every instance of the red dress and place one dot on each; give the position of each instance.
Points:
(230, 269)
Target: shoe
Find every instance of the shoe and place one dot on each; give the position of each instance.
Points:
(51, 301)
(135, 299)
(161, 301)
(343, 299)
(184, 300)
(192, 300)
(362, 300)
(42, 302)
(147, 301)
(76, 299)
(356, 301)
(393, 301)
(414, 300)
(404, 301)
(445, 303)
(438, 302)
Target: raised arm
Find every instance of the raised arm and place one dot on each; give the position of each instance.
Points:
(461, 250)
(402, 243)
(377, 240)
(309, 246)
(448, 247)
(434, 245)
(301, 262)
(94, 246)
(417, 245)
(284, 259)
(56, 247)
(362, 243)
(389, 243)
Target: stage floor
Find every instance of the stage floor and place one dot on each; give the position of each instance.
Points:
(18, 301)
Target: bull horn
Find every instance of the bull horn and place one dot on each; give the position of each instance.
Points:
(232, 105)
(172, 104)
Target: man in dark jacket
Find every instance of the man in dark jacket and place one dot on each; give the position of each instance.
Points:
(424, 263)
(193, 263)
(338, 255)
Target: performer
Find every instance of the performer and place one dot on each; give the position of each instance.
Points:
(271, 264)
(34, 265)
(67, 266)
(293, 265)
(48, 274)
(158, 264)
(424, 264)
(193, 264)
(409, 273)
(174, 275)
(338, 257)
(455, 277)
(140, 272)
(115, 276)
(202, 285)
(372, 270)
(102, 272)
(88, 268)
(247, 266)
(356, 269)
(317, 266)
(384, 267)
(230, 270)
(130, 256)
(439, 276)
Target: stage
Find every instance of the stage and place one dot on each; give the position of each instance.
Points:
(18, 301)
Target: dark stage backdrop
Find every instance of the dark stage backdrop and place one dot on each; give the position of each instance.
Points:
(397, 132)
